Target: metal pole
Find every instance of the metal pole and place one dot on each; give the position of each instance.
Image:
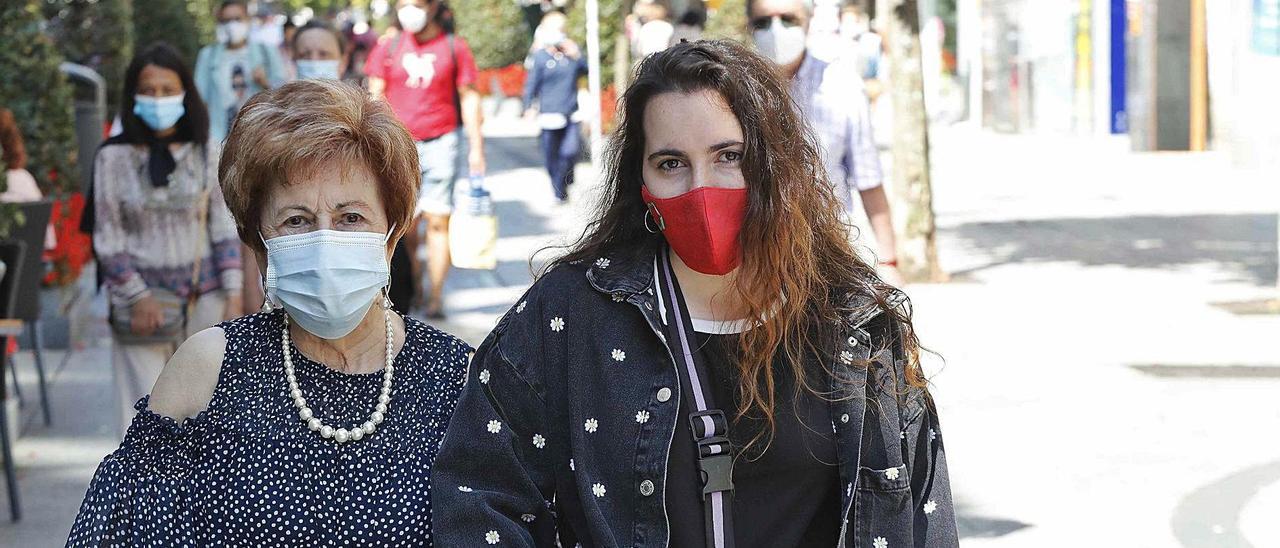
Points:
(593, 84)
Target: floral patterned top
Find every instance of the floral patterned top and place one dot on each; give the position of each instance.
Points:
(248, 472)
(146, 236)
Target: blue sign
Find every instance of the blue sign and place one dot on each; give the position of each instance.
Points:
(1119, 30)
(1266, 27)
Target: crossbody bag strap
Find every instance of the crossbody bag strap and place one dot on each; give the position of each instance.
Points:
(707, 422)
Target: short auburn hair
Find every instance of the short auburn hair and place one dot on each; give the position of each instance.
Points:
(11, 145)
(293, 130)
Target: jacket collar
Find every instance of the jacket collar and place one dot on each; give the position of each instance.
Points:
(628, 271)
(625, 270)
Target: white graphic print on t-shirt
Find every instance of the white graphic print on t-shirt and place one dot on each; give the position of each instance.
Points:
(421, 68)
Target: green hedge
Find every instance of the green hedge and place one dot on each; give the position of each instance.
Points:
(97, 34)
(185, 24)
(36, 91)
(495, 30)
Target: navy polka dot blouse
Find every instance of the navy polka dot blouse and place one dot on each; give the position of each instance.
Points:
(248, 472)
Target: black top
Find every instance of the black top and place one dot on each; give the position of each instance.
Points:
(788, 495)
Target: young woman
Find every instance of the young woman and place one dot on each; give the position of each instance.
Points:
(159, 218)
(711, 365)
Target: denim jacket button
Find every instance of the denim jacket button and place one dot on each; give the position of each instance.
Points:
(646, 488)
(664, 394)
(844, 417)
(648, 305)
(853, 341)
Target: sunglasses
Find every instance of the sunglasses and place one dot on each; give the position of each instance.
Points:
(765, 21)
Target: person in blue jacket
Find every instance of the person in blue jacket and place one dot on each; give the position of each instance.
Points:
(231, 71)
(553, 82)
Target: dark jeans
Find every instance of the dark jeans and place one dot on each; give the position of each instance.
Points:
(560, 151)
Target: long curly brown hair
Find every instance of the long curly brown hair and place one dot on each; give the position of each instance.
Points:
(794, 241)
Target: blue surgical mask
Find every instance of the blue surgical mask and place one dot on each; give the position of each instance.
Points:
(159, 113)
(326, 280)
(317, 69)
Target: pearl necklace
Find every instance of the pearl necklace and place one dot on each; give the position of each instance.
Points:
(340, 435)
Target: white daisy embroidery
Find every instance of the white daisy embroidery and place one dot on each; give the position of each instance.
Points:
(880, 542)
(597, 489)
(571, 465)
(527, 518)
(602, 262)
(539, 441)
(618, 297)
(932, 435)
(492, 537)
(591, 425)
(891, 473)
(619, 355)
(846, 356)
(520, 307)
(484, 377)
(642, 416)
(557, 324)
(494, 427)
(930, 506)
(465, 489)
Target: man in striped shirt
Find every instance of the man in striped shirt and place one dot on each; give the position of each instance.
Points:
(831, 98)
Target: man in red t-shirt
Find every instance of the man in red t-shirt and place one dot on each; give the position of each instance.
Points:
(428, 77)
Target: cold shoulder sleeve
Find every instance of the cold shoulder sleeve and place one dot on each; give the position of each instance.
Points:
(140, 494)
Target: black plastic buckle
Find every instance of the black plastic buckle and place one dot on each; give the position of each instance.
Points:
(714, 467)
(718, 422)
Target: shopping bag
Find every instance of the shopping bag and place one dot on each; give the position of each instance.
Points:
(473, 229)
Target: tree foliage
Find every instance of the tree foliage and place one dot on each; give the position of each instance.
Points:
(184, 24)
(33, 87)
(97, 34)
(728, 21)
(612, 14)
(495, 30)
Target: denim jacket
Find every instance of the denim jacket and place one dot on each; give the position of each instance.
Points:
(561, 435)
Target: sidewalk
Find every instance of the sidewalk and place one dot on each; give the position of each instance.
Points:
(1092, 392)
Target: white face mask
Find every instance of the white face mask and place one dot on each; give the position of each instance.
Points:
(780, 43)
(234, 32)
(317, 69)
(327, 280)
(412, 19)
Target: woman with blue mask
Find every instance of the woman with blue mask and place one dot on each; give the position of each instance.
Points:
(319, 51)
(165, 242)
(315, 422)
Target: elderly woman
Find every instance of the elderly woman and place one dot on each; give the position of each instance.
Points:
(316, 422)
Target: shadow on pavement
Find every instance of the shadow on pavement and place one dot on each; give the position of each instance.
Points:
(516, 152)
(1210, 515)
(974, 526)
(1245, 244)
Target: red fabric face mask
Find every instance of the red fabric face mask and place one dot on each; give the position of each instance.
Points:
(702, 226)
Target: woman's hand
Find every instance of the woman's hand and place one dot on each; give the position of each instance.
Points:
(475, 160)
(890, 274)
(146, 316)
(260, 78)
(235, 306)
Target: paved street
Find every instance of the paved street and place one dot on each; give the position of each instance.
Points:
(1093, 391)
